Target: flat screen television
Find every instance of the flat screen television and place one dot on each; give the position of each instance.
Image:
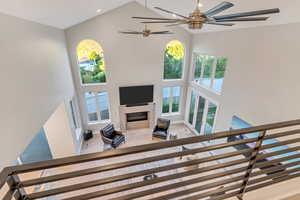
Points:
(136, 95)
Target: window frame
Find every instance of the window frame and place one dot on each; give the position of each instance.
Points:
(98, 111)
(78, 68)
(183, 64)
(208, 100)
(170, 113)
(74, 113)
(213, 73)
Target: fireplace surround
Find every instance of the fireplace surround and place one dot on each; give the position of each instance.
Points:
(140, 116)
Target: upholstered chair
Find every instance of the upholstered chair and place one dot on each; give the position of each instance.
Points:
(161, 129)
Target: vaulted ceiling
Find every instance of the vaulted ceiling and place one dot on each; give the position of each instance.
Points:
(66, 13)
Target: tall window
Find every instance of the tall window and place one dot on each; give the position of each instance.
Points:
(192, 108)
(210, 71)
(74, 113)
(97, 106)
(202, 114)
(91, 62)
(171, 99)
(174, 58)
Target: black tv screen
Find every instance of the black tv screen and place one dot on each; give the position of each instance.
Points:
(136, 95)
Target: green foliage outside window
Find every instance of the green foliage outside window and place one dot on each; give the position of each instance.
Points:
(166, 108)
(91, 62)
(192, 108)
(221, 67)
(96, 74)
(173, 62)
(198, 66)
(208, 66)
(175, 107)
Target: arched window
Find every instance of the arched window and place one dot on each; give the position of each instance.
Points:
(91, 62)
(174, 59)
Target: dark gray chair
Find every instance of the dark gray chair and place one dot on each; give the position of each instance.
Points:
(111, 136)
(161, 130)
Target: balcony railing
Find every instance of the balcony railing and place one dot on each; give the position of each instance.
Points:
(166, 170)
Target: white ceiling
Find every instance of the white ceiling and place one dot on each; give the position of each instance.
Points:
(66, 13)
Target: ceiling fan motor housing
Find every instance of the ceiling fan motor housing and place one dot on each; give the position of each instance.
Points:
(146, 33)
(196, 20)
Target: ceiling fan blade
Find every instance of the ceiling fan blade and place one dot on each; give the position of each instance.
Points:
(163, 22)
(170, 12)
(131, 32)
(249, 19)
(176, 24)
(220, 23)
(248, 14)
(153, 18)
(162, 32)
(219, 8)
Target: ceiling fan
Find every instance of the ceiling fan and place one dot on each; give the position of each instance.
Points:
(146, 32)
(197, 18)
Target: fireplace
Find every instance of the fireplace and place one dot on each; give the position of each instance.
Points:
(138, 116)
(132, 117)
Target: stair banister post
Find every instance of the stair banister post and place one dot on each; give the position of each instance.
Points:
(14, 184)
(252, 163)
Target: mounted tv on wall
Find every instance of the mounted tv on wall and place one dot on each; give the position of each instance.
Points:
(136, 95)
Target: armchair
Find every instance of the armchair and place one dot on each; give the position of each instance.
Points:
(161, 130)
(111, 136)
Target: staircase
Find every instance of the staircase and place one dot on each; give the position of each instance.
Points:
(182, 169)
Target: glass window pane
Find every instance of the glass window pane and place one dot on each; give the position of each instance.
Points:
(176, 99)
(201, 106)
(210, 119)
(174, 58)
(103, 104)
(208, 67)
(198, 67)
(220, 72)
(90, 99)
(91, 62)
(192, 107)
(166, 100)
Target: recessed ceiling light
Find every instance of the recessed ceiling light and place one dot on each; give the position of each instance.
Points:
(99, 10)
(200, 5)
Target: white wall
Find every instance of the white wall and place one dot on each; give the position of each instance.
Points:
(262, 79)
(261, 83)
(131, 60)
(58, 130)
(34, 79)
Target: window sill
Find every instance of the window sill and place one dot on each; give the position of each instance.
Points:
(172, 80)
(170, 114)
(100, 122)
(93, 84)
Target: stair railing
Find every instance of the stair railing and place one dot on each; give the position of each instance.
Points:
(156, 171)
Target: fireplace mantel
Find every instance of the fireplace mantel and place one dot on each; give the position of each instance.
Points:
(124, 110)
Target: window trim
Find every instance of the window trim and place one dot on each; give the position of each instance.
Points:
(78, 67)
(209, 88)
(170, 113)
(208, 100)
(183, 64)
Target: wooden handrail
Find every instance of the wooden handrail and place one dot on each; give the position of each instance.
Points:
(143, 148)
(271, 170)
(131, 163)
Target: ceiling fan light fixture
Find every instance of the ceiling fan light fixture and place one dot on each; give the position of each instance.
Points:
(147, 32)
(197, 18)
